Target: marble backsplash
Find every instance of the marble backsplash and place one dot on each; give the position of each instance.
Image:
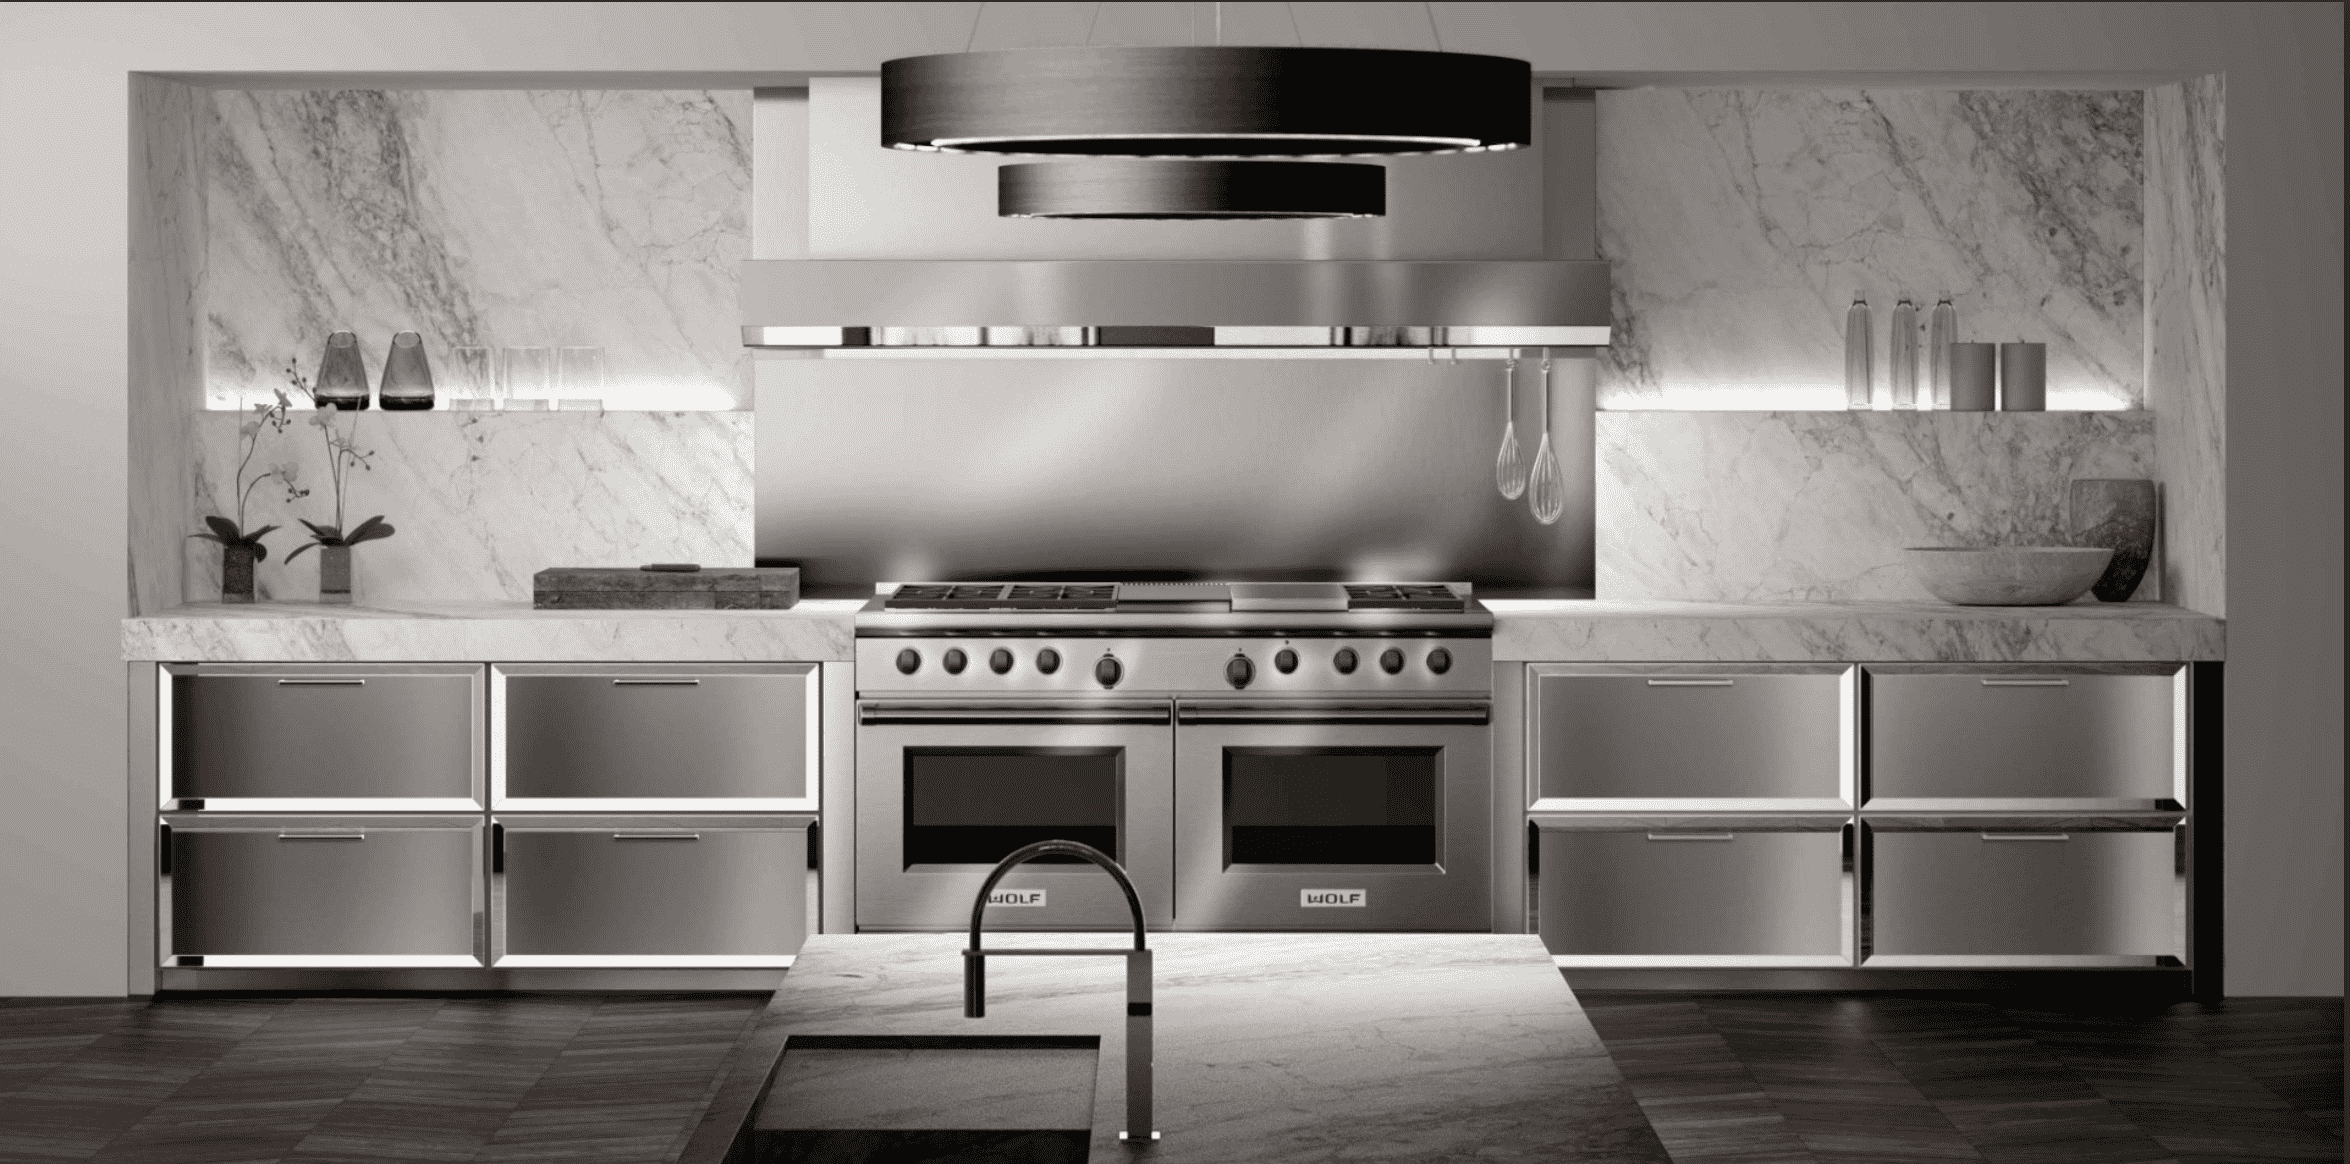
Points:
(609, 218)
(1740, 223)
(482, 501)
(166, 348)
(1817, 506)
(2186, 334)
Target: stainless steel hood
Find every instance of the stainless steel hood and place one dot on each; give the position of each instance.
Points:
(1159, 303)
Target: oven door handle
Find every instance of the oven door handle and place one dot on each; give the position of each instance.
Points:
(875, 712)
(1453, 713)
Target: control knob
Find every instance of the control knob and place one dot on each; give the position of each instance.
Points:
(1440, 660)
(999, 661)
(954, 660)
(909, 661)
(1048, 660)
(1391, 660)
(1285, 660)
(1344, 660)
(1107, 671)
(1239, 671)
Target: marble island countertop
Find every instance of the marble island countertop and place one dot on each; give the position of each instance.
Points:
(1269, 1047)
(1531, 629)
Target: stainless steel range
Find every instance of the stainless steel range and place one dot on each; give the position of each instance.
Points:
(1266, 756)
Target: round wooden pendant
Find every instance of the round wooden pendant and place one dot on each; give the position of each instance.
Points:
(1133, 188)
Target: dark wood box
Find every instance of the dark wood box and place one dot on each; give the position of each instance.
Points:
(627, 588)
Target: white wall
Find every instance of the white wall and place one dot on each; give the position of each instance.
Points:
(64, 117)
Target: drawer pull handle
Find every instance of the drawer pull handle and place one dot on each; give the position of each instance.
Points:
(656, 683)
(1692, 836)
(2027, 682)
(322, 682)
(1693, 682)
(322, 836)
(2027, 836)
(656, 836)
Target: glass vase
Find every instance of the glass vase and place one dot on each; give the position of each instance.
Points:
(236, 573)
(334, 575)
(342, 377)
(1859, 363)
(407, 383)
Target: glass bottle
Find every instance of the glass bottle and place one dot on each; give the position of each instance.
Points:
(407, 382)
(1901, 352)
(342, 378)
(1941, 332)
(1859, 362)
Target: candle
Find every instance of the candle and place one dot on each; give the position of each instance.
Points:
(1972, 372)
(2023, 377)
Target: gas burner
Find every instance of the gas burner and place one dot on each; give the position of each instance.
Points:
(1402, 596)
(1002, 596)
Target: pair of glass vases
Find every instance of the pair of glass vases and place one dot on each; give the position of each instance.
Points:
(342, 378)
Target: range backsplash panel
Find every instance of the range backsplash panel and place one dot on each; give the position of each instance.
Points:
(1740, 223)
(1817, 506)
(610, 218)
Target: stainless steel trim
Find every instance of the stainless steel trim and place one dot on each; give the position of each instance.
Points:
(1692, 682)
(1692, 836)
(2027, 836)
(352, 836)
(2027, 682)
(656, 836)
(1189, 711)
(656, 683)
(879, 712)
(322, 682)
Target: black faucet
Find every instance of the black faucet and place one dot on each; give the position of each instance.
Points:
(1138, 977)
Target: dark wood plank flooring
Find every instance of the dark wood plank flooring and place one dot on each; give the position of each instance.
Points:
(1725, 1078)
(1771, 1078)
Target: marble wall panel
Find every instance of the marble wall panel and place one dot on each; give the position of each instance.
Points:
(1740, 223)
(166, 349)
(611, 218)
(1817, 506)
(2186, 331)
(482, 501)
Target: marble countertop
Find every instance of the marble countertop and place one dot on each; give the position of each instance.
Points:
(1269, 1047)
(1531, 629)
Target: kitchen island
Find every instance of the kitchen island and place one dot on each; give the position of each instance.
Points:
(1270, 1047)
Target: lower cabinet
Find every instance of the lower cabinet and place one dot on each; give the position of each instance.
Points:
(339, 891)
(1701, 893)
(665, 891)
(2034, 896)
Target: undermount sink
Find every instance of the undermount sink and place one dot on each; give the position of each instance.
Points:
(853, 1099)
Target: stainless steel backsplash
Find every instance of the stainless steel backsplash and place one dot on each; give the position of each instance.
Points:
(974, 468)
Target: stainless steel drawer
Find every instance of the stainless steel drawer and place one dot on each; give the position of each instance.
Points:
(654, 737)
(651, 891)
(1678, 896)
(1978, 738)
(1648, 737)
(351, 891)
(320, 738)
(2023, 898)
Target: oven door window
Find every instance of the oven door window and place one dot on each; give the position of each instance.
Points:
(974, 806)
(1331, 806)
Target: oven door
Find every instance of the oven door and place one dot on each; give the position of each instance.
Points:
(1297, 815)
(945, 790)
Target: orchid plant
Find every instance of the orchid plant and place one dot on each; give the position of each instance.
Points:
(342, 455)
(232, 532)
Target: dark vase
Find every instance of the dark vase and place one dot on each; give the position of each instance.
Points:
(342, 378)
(334, 575)
(236, 573)
(407, 383)
(2118, 515)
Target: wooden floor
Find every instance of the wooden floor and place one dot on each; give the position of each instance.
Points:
(1739, 1078)
(1725, 1078)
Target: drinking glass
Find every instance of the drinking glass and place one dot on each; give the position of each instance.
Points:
(473, 383)
(579, 377)
(530, 379)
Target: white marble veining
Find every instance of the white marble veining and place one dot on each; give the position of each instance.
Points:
(822, 630)
(166, 350)
(1618, 631)
(1270, 1047)
(611, 218)
(815, 631)
(483, 500)
(2186, 331)
(1817, 506)
(1740, 223)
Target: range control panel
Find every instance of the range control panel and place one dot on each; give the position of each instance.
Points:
(990, 665)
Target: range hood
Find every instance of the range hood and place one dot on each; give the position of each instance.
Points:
(1181, 304)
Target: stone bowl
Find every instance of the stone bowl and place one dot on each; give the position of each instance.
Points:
(2007, 575)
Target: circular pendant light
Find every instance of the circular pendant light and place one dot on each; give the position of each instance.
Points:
(1206, 101)
(1131, 188)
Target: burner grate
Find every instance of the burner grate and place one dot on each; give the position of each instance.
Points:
(1001, 596)
(1402, 596)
